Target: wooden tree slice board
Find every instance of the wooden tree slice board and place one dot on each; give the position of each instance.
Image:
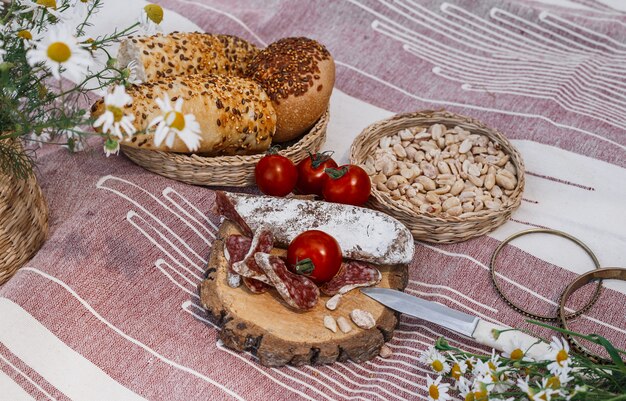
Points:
(279, 335)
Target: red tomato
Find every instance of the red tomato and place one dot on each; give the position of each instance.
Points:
(275, 175)
(314, 254)
(311, 174)
(348, 184)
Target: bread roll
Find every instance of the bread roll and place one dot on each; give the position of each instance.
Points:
(235, 115)
(298, 74)
(178, 53)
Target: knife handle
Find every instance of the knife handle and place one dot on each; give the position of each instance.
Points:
(483, 334)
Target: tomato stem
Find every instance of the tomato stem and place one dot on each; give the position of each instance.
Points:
(336, 173)
(305, 266)
(318, 158)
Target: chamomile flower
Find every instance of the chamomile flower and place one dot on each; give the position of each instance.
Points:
(482, 387)
(514, 349)
(111, 146)
(172, 122)
(437, 391)
(559, 355)
(435, 360)
(559, 380)
(39, 7)
(131, 70)
(60, 52)
(80, 8)
(458, 368)
(151, 18)
(114, 121)
(524, 386)
(464, 387)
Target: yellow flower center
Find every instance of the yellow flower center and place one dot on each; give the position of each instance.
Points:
(47, 3)
(433, 390)
(437, 365)
(544, 396)
(481, 395)
(25, 34)
(491, 365)
(175, 119)
(154, 13)
(554, 382)
(456, 371)
(469, 396)
(59, 52)
(517, 354)
(117, 113)
(562, 356)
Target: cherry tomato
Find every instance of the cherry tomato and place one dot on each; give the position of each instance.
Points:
(347, 184)
(275, 175)
(311, 174)
(314, 254)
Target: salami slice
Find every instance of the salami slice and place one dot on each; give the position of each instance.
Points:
(256, 286)
(352, 274)
(235, 249)
(298, 291)
(263, 241)
(226, 208)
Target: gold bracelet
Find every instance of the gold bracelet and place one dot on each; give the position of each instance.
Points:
(612, 273)
(492, 269)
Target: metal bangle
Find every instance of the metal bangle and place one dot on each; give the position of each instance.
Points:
(612, 273)
(492, 269)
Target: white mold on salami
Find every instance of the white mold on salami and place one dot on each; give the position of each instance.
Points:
(234, 280)
(333, 302)
(363, 319)
(330, 323)
(344, 324)
(363, 234)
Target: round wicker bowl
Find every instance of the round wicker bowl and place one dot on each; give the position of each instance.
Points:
(429, 227)
(23, 222)
(230, 171)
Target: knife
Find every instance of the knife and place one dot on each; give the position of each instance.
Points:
(459, 322)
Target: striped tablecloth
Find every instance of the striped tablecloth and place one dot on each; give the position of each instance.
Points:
(108, 309)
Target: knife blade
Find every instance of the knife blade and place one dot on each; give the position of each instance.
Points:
(460, 322)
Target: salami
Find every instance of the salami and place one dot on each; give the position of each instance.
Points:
(352, 274)
(256, 286)
(263, 241)
(298, 291)
(363, 234)
(226, 208)
(235, 249)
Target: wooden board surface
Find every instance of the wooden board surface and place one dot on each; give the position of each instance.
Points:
(279, 335)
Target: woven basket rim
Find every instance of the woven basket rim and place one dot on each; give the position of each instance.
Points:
(443, 115)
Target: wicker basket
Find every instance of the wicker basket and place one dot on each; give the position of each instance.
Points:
(429, 227)
(230, 171)
(23, 222)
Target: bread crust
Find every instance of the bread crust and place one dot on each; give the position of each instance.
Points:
(177, 53)
(298, 74)
(235, 115)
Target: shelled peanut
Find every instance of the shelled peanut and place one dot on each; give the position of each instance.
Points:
(448, 172)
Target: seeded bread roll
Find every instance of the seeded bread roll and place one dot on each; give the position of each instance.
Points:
(178, 53)
(298, 74)
(235, 115)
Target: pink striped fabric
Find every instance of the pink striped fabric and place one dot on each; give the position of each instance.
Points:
(116, 281)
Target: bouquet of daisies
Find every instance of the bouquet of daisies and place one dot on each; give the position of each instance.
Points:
(512, 376)
(50, 71)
